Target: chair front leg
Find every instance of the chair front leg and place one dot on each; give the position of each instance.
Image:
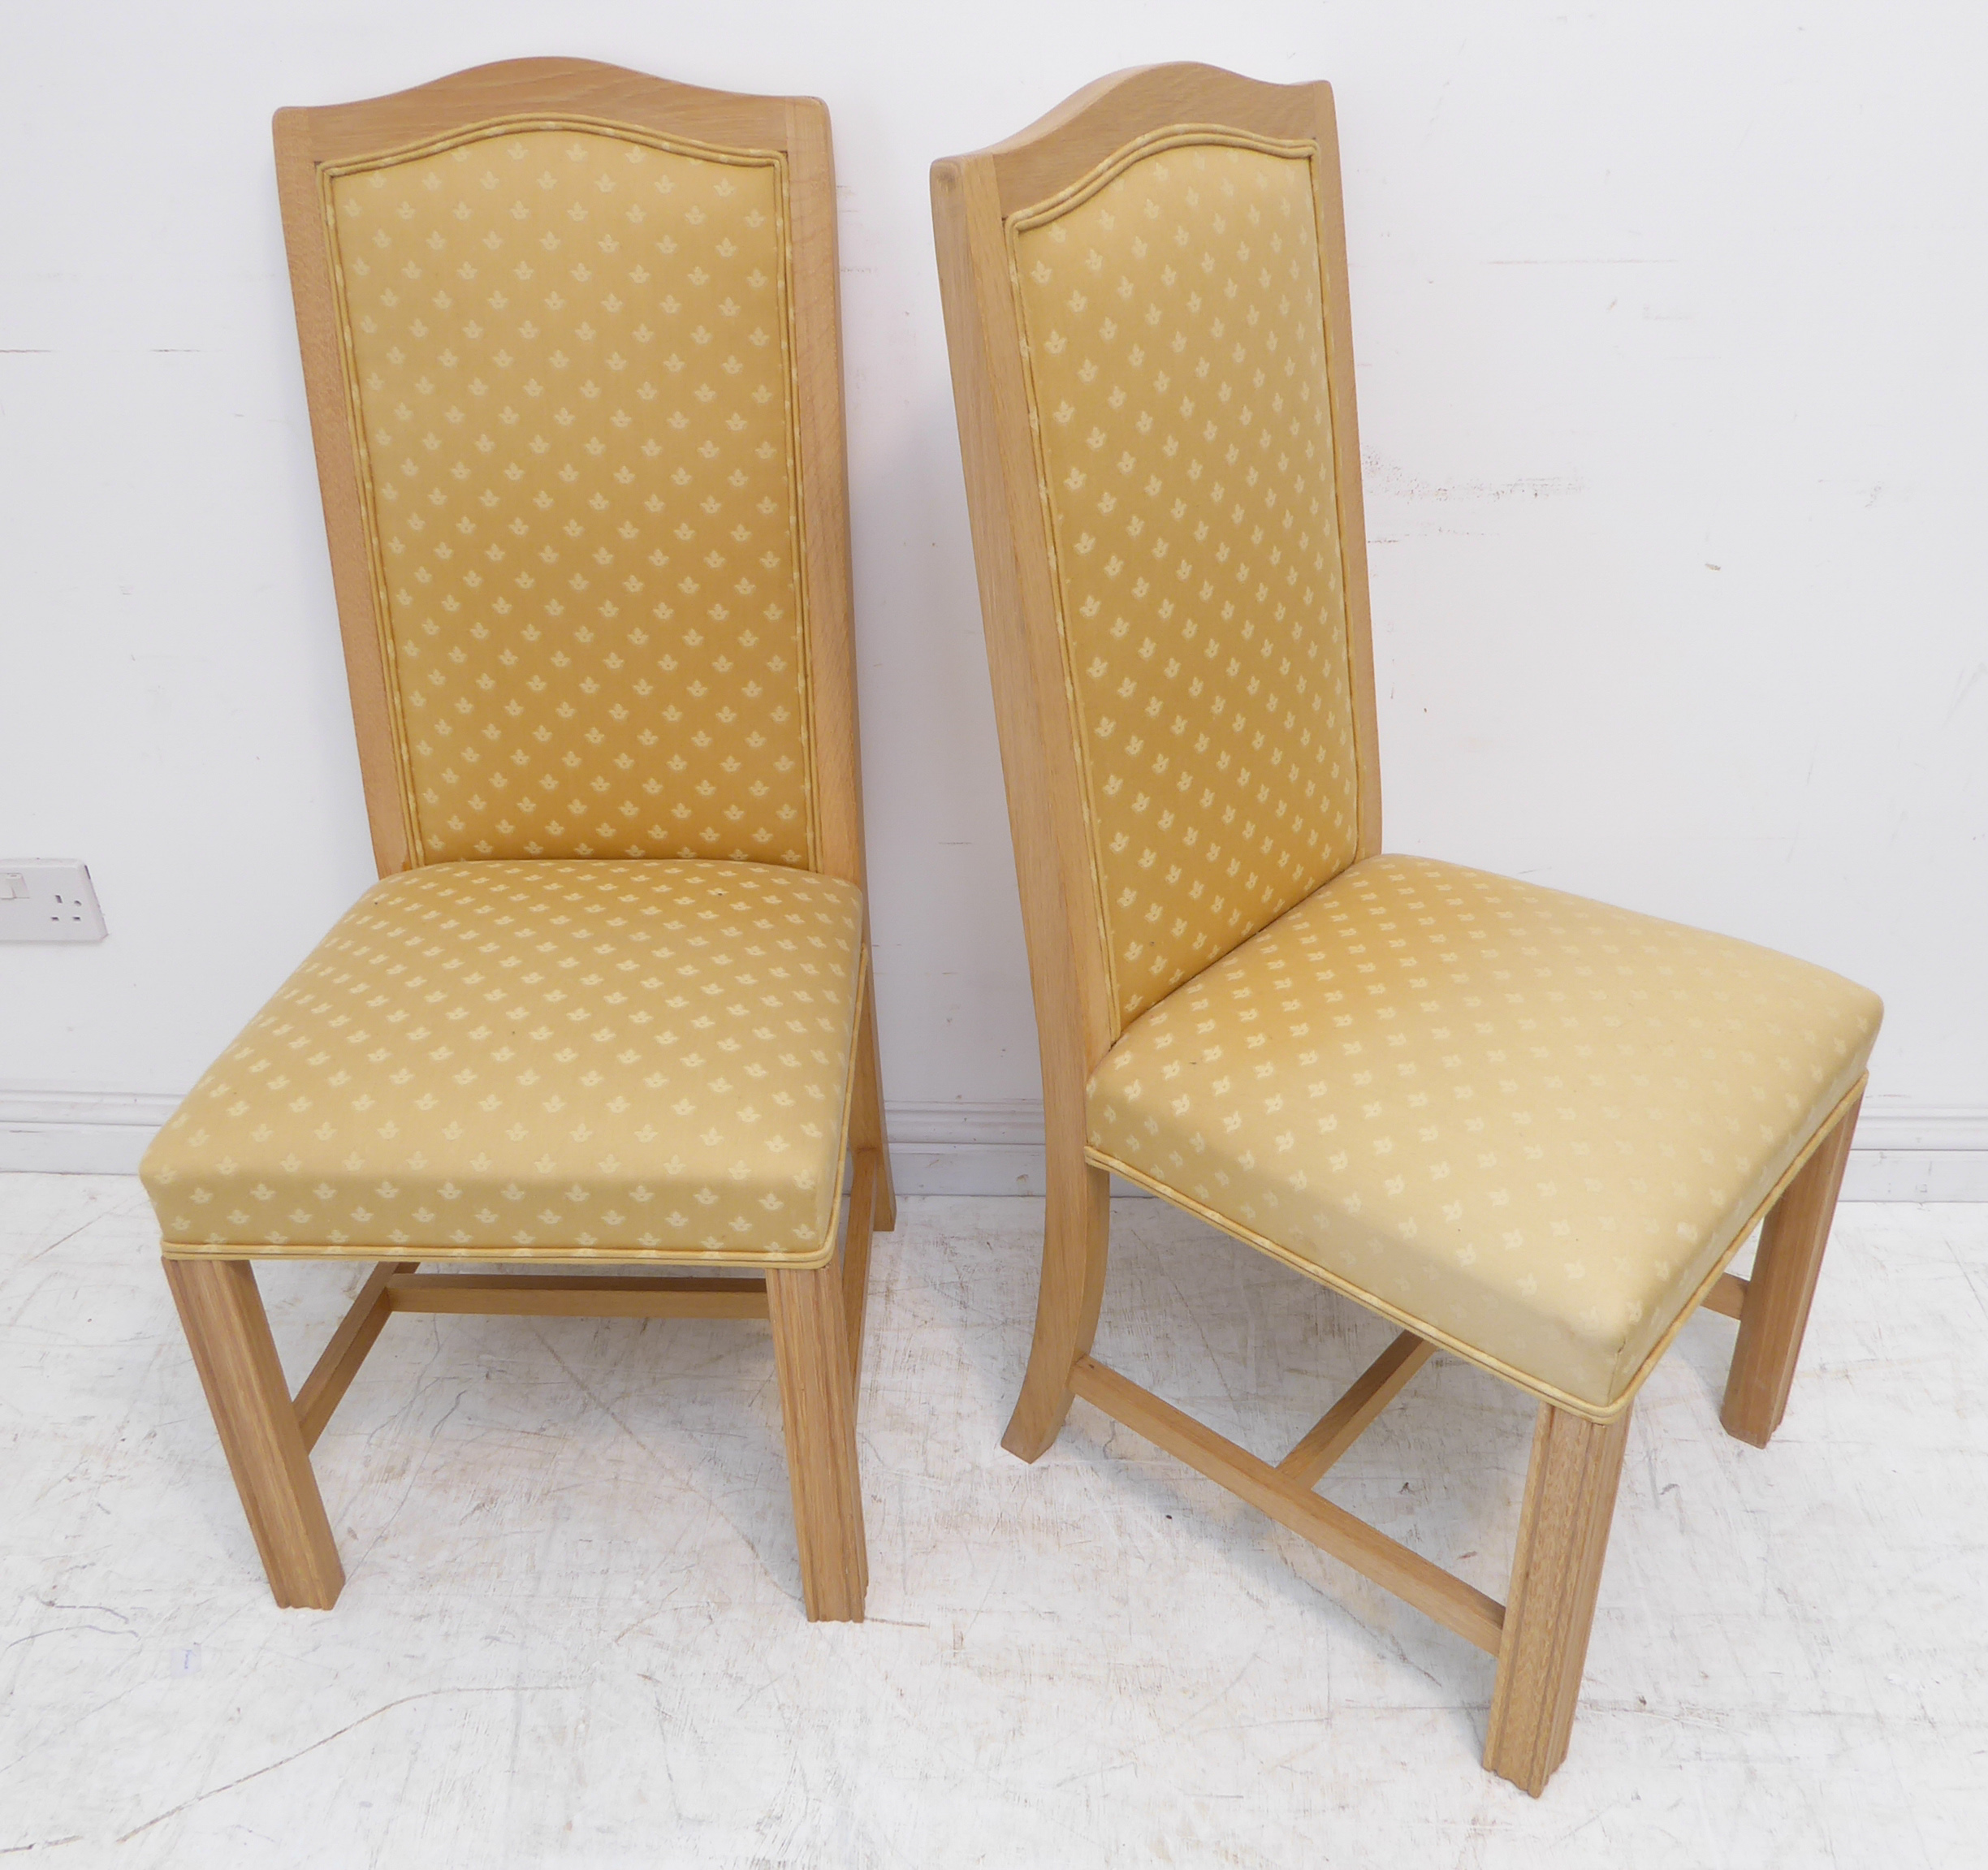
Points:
(817, 1411)
(1076, 1237)
(1563, 1530)
(227, 1331)
(1775, 1316)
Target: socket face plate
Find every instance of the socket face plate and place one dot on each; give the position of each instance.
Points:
(48, 899)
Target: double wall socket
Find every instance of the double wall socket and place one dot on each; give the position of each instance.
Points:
(48, 899)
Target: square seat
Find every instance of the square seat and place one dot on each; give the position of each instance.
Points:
(589, 1059)
(1528, 1126)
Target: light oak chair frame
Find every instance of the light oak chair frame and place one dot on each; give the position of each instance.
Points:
(1540, 1637)
(817, 1317)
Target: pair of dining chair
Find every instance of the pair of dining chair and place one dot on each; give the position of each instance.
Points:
(571, 348)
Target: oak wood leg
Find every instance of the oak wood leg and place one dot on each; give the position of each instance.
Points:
(228, 1332)
(1076, 1236)
(855, 1257)
(866, 1130)
(818, 1409)
(1563, 1530)
(1776, 1313)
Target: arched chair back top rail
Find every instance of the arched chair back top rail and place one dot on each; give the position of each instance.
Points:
(1531, 1130)
(571, 346)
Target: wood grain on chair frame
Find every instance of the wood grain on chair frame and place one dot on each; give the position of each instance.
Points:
(983, 204)
(815, 1309)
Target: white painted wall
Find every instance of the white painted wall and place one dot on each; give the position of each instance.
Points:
(1669, 323)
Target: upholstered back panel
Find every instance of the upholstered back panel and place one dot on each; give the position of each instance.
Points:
(570, 366)
(1172, 310)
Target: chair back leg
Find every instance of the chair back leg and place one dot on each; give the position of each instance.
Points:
(1076, 1236)
(818, 1409)
(867, 1127)
(866, 1198)
(227, 1331)
(1775, 1316)
(1563, 1530)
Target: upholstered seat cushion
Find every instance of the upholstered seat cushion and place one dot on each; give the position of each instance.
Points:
(577, 1058)
(1528, 1125)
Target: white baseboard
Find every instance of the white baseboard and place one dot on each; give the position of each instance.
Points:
(1903, 1152)
(79, 1132)
(993, 1148)
(1916, 1175)
(1918, 1152)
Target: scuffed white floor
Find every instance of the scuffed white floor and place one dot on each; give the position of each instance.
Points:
(572, 1632)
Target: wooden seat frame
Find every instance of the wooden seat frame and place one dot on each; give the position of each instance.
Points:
(1540, 1637)
(816, 1316)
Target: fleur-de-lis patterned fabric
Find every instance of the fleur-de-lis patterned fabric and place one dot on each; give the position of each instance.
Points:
(1175, 335)
(1524, 1123)
(569, 356)
(507, 1060)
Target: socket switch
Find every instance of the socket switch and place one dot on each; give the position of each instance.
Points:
(48, 899)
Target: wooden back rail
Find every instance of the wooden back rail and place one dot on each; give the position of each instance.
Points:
(397, 1285)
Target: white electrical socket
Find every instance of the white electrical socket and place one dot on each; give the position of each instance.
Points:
(48, 899)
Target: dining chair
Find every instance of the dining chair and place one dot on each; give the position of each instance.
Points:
(1530, 1130)
(571, 354)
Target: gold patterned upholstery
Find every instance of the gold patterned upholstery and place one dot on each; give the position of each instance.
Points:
(1177, 369)
(585, 1060)
(1528, 1128)
(571, 345)
(1525, 1124)
(569, 357)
